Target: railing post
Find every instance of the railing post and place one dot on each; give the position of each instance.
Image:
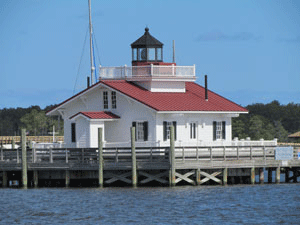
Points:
(24, 159)
(33, 156)
(2, 157)
(197, 153)
(211, 156)
(67, 156)
(50, 155)
(224, 153)
(172, 176)
(151, 154)
(194, 70)
(173, 70)
(125, 71)
(18, 156)
(133, 158)
(100, 155)
(250, 152)
(183, 154)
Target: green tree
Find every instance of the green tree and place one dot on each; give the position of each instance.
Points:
(35, 122)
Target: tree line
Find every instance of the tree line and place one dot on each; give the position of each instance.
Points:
(33, 119)
(268, 121)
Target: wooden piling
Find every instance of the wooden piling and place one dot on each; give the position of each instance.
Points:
(225, 173)
(100, 155)
(35, 178)
(198, 177)
(24, 160)
(172, 177)
(67, 178)
(277, 179)
(133, 158)
(253, 175)
(4, 179)
(261, 175)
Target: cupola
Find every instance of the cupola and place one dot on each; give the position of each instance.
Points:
(147, 50)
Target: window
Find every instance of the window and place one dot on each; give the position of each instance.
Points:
(158, 54)
(167, 130)
(151, 54)
(73, 132)
(134, 54)
(105, 100)
(113, 100)
(193, 130)
(141, 130)
(219, 130)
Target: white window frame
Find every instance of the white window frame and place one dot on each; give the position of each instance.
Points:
(113, 100)
(140, 130)
(219, 130)
(105, 99)
(193, 130)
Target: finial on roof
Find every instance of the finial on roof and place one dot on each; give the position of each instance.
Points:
(147, 29)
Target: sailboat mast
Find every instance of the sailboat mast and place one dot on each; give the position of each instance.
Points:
(91, 44)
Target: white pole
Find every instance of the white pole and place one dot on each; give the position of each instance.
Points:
(173, 51)
(91, 44)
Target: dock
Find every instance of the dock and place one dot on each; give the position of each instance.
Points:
(139, 166)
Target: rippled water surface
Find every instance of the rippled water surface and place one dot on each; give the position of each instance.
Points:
(251, 204)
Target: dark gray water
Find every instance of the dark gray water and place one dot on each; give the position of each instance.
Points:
(245, 204)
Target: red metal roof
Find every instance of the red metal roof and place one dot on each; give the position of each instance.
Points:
(97, 115)
(192, 100)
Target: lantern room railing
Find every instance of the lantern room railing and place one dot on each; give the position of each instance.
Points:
(144, 72)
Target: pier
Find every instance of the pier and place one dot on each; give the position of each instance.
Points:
(138, 166)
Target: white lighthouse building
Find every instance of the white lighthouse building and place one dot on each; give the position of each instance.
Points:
(150, 95)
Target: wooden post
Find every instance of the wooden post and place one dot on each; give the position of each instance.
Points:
(225, 173)
(13, 144)
(133, 158)
(35, 178)
(172, 177)
(270, 175)
(24, 160)
(277, 175)
(253, 175)
(4, 179)
(198, 177)
(100, 155)
(261, 175)
(67, 178)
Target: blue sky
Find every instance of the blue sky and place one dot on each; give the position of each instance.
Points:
(250, 50)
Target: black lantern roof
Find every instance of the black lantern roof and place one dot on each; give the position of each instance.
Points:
(147, 40)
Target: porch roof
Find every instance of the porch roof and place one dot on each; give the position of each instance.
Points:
(99, 115)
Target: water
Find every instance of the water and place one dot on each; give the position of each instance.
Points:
(237, 204)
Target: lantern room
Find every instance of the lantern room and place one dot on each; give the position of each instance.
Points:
(147, 50)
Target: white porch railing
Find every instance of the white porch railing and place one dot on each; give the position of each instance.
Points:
(234, 142)
(132, 72)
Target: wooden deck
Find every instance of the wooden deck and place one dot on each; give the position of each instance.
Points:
(153, 164)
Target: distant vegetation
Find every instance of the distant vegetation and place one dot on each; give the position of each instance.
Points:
(267, 121)
(33, 119)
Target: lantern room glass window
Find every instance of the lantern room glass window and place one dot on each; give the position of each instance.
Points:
(151, 54)
(158, 54)
(142, 54)
(134, 54)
